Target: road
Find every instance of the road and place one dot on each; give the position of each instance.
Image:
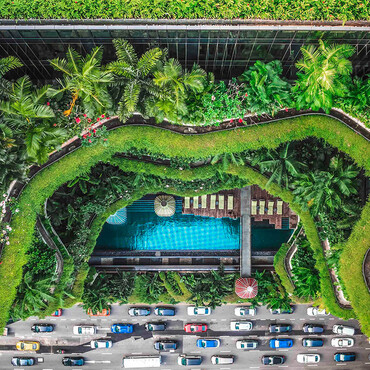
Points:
(141, 342)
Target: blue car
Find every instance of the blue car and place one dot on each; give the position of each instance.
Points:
(281, 343)
(344, 357)
(122, 328)
(208, 343)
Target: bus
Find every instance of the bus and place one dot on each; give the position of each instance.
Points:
(132, 362)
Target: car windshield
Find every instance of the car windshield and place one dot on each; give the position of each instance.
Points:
(237, 326)
(183, 361)
(79, 330)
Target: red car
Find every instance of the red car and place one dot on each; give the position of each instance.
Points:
(57, 313)
(195, 328)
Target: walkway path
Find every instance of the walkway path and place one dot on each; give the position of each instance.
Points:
(245, 224)
(366, 269)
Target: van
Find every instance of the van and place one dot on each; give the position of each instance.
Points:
(312, 342)
(343, 330)
(131, 362)
(222, 360)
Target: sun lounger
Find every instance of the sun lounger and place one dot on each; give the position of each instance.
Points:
(279, 207)
(204, 201)
(187, 202)
(195, 202)
(262, 207)
(254, 207)
(271, 208)
(230, 202)
(213, 202)
(221, 202)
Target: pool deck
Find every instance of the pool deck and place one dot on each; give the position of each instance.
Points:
(245, 227)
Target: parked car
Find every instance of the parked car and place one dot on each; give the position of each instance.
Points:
(279, 311)
(42, 328)
(27, 345)
(139, 311)
(84, 330)
(195, 328)
(23, 361)
(312, 342)
(344, 357)
(245, 311)
(73, 361)
(165, 345)
(104, 312)
(315, 311)
(101, 343)
(199, 311)
(164, 311)
(280, 328)
(155, 326)
(208, 343)
(343, 330)
(57, 313)
(273, 360)
(308, 358)
(281, 343)
(122, 328)
(222, 360)
(342, 342)
(185, 360)
(241, 325)
(313, 328)
(246, 344)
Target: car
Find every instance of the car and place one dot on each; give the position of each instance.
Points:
(280, 328)
(241, 325)
(27, 345)
(281, 343)
(57, 313)
(313, 328)
(42, 328)
(195, 328)
(245, 311)
(184, 360)
(222, 360)
(139, 311)
(273, 360)
(23, 361)
(199, 311)
(344, 357)
(101, 344)
(164, 311)
(308, 358)
(122, 328)
(104, 312)
(84, 330)
(315, 311)
(279, 311)
(343, 330)
(165, 345)
(312, 342)
(208, 343)
(342, 342)
(73, 361)
(246, 344)
(155, 326)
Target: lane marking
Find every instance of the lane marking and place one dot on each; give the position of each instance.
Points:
(137, 353)
(107, 353)
(225, 351)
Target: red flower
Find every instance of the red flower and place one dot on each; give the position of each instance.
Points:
(105, 139)
(231, 121)
(78, 120)
(107, 117)
(55, 125)
(85, 136)
(89, 134)
(102, 116)
(240, 120)
(85, 115)
(246, 94)
(47, 103)
(94, 131)
(98, 119)
(89, 120)
(286, 109)
(89, 140)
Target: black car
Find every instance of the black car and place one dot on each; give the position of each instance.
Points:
(42, 328)
(155, 326)
(279, 311)
(73, 361)
(23, 361)
(312, 342)
(164, 311)
(273, 360)
(313, 328)
(165, 345)
(280, 328)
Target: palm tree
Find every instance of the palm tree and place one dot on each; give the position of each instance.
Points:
(6, 65)
(86, 79)
(323, 73)
(134, 74)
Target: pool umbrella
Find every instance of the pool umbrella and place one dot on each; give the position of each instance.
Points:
(246, 287)
(119, 218)
(164, 205)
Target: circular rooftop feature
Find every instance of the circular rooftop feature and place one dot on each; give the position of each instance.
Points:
(119, 218)
(246, 287)
(164, 205)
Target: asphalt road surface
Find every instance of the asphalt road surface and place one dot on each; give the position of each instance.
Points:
(141, 342)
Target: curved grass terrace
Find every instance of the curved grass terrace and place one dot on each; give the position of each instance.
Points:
(168, 143)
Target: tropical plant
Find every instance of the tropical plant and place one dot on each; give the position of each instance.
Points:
(323, 74)
(6, 65)
(227, 158)
(149, 288)
(267, 92)
(133, 74)
(358, 96)
(86, 79)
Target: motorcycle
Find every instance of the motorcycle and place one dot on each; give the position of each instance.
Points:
(60, 351)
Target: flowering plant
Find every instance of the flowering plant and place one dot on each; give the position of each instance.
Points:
(95, 136)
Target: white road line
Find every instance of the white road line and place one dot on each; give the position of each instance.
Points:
(225, 368)
(302, 319)
(292, 319)
(283, 350)
(195, 352)
(367, 348)
(254, 367)
(225, 351)
(137, 353)
(106, 353)
(331, 318)
(283, 365)
(223, 319)
(367, 363)
(311, 365)
(341, 364)
(63, 319)
(73, 319)
(262, 319)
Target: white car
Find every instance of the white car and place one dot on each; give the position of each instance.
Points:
(309, 358)
(246, 344)
(342, 342)
(199, 311)
(241, 325)
(244, 311)
(222, 360)
(101, 344)
(315, 311)
(343, 329)
(84, 330)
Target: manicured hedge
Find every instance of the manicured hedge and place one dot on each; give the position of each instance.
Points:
(44, 184)
(279, 265)
(177, 9)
